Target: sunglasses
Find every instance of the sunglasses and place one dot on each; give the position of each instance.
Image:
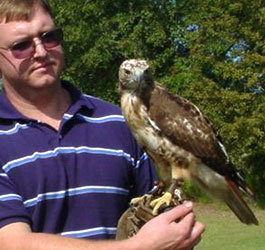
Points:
(26, 48)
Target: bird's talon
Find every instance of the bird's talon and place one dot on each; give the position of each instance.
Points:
(159, 202)
(142, 199)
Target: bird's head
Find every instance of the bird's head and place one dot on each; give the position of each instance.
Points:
(134, 75)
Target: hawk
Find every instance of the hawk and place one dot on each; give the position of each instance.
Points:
(179, 139)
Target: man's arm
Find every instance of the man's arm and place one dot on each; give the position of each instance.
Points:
(161, 233)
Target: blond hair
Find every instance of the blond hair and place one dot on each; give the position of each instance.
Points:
(14, 10)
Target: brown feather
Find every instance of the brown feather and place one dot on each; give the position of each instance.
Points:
(196, 135)
(238, 205)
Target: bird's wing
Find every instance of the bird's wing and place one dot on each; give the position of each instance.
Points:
(184, 125)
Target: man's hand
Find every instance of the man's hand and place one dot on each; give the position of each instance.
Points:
(164, 233)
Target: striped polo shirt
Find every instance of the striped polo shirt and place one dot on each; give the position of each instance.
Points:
(77, 181)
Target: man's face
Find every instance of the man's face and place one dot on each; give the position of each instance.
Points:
(43, 67)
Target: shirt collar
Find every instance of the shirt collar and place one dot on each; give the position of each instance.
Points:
(79, 101)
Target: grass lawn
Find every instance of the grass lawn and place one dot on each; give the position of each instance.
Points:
(225, 232)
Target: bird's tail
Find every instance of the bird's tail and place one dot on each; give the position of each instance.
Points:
(236, 203)
(226, 190)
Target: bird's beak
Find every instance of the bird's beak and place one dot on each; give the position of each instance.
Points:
(139, 76)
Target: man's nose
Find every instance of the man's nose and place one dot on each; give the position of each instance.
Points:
(40, 50)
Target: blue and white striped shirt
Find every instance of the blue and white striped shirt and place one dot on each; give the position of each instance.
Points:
(77, 181)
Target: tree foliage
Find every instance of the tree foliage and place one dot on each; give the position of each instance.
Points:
(211, 52)
(99, 35)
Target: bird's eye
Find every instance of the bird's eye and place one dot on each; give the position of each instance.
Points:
(127, 72)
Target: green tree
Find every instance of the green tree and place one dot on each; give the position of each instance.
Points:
(99, 35)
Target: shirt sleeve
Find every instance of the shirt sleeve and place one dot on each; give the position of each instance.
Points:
(12, 208)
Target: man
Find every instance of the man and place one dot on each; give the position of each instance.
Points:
(69, 165)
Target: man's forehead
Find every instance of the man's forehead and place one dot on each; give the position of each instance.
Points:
(12, 27)
(38, 16)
